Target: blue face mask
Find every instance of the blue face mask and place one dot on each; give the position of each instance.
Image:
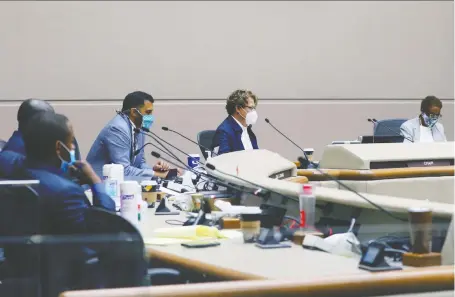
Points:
(429, 121)
(147, 121)
(65, 164)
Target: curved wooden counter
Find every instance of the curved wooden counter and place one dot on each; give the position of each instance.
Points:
(196, 266)
(375, 284)
(297, 179)
(374, 174)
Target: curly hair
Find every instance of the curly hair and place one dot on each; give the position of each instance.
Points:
(428, 102)
(239, 98)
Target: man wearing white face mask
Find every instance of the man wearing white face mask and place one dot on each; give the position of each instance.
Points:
(235, 133)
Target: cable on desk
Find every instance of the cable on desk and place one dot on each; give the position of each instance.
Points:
(174, 222)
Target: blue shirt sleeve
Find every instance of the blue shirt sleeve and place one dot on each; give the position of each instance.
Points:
(101, 199)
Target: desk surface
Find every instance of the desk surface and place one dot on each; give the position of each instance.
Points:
(390, 173)
(234, 260)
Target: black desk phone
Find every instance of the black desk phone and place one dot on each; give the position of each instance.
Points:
(373, 259)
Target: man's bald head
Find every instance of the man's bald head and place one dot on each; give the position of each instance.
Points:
(29, 108)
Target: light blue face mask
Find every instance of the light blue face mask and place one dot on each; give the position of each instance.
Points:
(429, 121)
(147, 119)
(65, 164)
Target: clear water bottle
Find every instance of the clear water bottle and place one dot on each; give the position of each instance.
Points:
(307, 203)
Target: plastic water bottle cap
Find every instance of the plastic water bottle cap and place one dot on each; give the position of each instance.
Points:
(308, 189)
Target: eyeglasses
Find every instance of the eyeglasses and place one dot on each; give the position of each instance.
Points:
(250, 108)
(434, 116)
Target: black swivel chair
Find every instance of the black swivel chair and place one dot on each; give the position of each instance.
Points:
(206, 139)
(127, 252)
(19, 222)
(390, 127)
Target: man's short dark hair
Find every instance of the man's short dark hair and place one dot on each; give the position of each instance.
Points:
(428, 102)
(239, 98)
(29, 108)
(42, 132)
(135, 100)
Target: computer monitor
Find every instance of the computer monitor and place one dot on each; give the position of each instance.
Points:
(382, 139)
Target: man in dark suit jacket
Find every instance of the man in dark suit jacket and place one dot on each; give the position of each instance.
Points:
(235, 133)
(26, 111)
(50, 157)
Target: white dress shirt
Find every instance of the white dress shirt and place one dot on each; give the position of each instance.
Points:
(425, 134)
(246, 141)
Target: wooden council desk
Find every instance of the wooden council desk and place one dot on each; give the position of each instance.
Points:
(250, 271)
(235, 260)
(429, 282)
(374, 174)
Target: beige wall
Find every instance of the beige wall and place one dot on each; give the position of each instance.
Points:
(357, 53)
(205, 49)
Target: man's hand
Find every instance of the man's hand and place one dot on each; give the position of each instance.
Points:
(84, 172)
(161, 167)
(161, 174)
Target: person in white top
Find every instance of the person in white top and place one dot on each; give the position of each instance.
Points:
(427, 126)
(235, 133)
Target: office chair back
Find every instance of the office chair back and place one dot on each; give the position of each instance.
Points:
(120, 248)
(390, 127)
(19, 222)
(206, 139)
(2, 144)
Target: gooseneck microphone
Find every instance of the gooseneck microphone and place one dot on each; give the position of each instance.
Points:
(290, 140)
(155, 137)
(136, 152)
(163, 151)
(187, 138)
(336, 180)
(375, 122)
(304, 161)
(170, 144)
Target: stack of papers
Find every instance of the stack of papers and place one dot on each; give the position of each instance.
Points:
(176, 235)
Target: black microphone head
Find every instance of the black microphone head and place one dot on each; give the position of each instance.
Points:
(249, 126)
(136, 152)
(145, 129)
(374, 120)
(369, 120)
(267, 120)
(210, 166)
(156, 155)
(301, 160)
(165, 128)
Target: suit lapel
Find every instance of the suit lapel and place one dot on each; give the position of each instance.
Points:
(237, 133)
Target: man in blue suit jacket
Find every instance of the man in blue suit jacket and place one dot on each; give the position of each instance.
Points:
(50, 155)
(235, 133)
(121, 143)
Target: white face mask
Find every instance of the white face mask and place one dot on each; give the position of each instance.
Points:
(251, 118)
